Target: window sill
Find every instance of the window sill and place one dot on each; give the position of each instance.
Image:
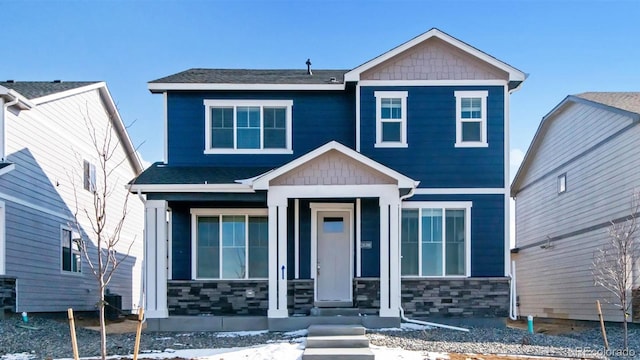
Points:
(391, 145)
(247, 151)
(71, 273)
(472, 145)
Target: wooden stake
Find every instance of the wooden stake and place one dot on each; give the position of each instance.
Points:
(72, 327)
(138, 331)
(602, 328)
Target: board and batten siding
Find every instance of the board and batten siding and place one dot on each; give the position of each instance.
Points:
(556, 280)
(48, 144)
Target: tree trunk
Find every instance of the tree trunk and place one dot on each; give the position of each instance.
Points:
(103, 328)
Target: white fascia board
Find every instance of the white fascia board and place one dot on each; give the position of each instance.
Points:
(7, 168)
(11, 95)
(162, 87)
(514, 74)
(190, 188)
(70, 92)
(262, 182)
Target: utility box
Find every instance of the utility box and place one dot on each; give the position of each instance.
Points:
(113, 308)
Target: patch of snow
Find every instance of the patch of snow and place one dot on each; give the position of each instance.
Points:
(232, 334)
(164, 338)
(296, 333)
(18, 356)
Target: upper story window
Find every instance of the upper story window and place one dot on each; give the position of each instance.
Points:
(248, 126)
(562, 183)
(391, 118)
(89, 176)
(471, 118)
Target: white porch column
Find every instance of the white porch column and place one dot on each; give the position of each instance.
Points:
(277, 257)
(389, 256)
(155, 259)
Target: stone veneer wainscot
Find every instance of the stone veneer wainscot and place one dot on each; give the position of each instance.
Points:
(7, 295)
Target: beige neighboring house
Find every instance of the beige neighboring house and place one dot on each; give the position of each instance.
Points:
(45, 144)
(577, 176)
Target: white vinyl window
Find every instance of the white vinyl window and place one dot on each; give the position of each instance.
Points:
(562, 183)
(471, 118)
(435, 239)
(248, 126)
(70, 257)
(230, 243)
(391, 118)
(89, 176)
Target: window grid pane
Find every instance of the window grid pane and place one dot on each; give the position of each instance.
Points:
(455, 239)
(471, 131)
(432, 242)
(222, 127)
(275, 128)
(409, 241)
(258, 247)
(391, 131)
(208, 247)
(471, 108)
(391, 108)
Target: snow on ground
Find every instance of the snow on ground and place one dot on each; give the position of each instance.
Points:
(232, 334)
(407, 327)
(279, 351)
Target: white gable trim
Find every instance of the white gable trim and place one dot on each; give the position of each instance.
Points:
(262, 182)
(514, 74)
(67, 93)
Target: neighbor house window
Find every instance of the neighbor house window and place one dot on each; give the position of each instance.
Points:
(71, 260)
(230, 244)
(248, 126)
(435, 239)
(562, 183)
(89, 176)
(391, 118)
(471, 118)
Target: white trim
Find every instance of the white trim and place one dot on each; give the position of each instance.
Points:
(3, 259)
(444, 206)
(337, 207)
(514, 74)
(181, 188)
(262, 182)
(461, 191)
(402, 95)
(507, 178)
(432, 83)
(155, 256)
(296, 236)
(358, 122)
(197, 212)
(210, 103)
(358, 227)
(62, 94)
(169, 244)
(332, 191)
(32, 206)
(166, 126)
(162, 87)
(483, 120)
(7, 169)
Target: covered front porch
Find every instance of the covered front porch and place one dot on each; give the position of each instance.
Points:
(332, 222)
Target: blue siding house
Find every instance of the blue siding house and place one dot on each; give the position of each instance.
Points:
(380, 190)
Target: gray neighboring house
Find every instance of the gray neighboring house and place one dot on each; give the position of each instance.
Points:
(45, 149)
(577, 176)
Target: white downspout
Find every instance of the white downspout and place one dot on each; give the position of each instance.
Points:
(402, 317)
(144, 262)
(513, 308)
(3, 146)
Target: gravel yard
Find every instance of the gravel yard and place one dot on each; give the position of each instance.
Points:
(51, 340)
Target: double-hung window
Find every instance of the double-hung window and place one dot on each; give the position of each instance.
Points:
(391, 118)
(248, 126)
(89, 176)
(230, 243)
(71, 259)
(471, 118)
(435, 239)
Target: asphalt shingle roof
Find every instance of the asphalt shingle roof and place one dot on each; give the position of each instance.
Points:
(629, 101)
(160, 174)
(36, 89)
(247, 76)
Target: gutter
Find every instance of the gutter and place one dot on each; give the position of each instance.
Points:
(402, 317)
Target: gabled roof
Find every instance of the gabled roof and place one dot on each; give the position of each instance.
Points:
(36, 89)
(515, 76)
(626, 103)
(40, 92)
(262, 182)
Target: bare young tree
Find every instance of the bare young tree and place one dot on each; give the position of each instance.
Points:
(100, 242)
(613, 263)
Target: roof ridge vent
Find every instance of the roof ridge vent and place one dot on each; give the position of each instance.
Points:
(57, 81)
(333, 80)
(11, 81)
(309, 67)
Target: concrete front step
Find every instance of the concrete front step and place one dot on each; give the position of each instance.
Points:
(338, 354)
(348, 341)
(335, 330)
(342, 312)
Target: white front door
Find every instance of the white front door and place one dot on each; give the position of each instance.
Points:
(333, 265)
